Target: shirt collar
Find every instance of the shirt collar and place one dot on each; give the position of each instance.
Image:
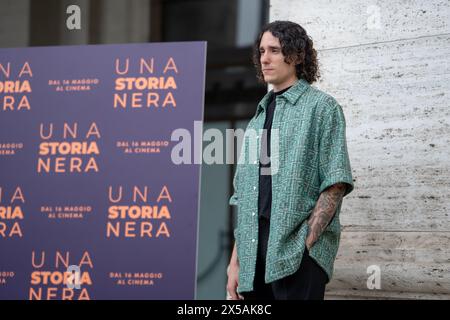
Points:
(292, 95)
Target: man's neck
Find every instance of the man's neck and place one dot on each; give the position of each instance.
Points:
(284, 85)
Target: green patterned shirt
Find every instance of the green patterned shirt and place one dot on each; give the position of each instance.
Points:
(311, 155)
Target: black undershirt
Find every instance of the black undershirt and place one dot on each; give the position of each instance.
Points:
(265, 180)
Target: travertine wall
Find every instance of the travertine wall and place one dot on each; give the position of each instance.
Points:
(388, 64)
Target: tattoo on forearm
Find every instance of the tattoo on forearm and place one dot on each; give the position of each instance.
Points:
(324, 211)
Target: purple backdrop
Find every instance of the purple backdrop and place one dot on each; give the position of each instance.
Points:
(62, 111)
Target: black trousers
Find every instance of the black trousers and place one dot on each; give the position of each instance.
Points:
(307, 283)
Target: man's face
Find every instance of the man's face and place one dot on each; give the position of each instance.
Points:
(275, 70)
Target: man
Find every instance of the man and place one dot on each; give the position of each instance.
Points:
(288, 229)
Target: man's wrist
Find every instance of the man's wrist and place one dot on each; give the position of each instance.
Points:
(234, 262)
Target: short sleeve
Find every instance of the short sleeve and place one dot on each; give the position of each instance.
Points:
(334, 163)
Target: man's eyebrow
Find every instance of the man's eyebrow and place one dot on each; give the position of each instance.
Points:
(270, 47)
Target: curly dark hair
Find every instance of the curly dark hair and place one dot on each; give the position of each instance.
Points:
(295, 45)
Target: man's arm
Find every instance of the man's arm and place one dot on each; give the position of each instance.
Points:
(324, 211)
(233, 276)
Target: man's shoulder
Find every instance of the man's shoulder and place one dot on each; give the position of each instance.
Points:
(321, 100)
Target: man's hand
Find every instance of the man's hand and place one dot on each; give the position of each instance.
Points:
(308, 243)
(323, 212)
(233, 276)
(233, 281)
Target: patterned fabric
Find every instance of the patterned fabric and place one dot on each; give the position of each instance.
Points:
(311, 155)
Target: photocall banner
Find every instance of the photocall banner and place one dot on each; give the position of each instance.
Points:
(92, 205)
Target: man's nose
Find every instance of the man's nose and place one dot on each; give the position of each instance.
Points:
(265, 58)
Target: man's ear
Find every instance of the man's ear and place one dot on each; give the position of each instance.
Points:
(295, 60)
(300, 59)
(291, 60)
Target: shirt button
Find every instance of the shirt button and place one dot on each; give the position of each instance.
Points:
(253, 240)
(254, 188)
(254, 162)
(253, 213)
